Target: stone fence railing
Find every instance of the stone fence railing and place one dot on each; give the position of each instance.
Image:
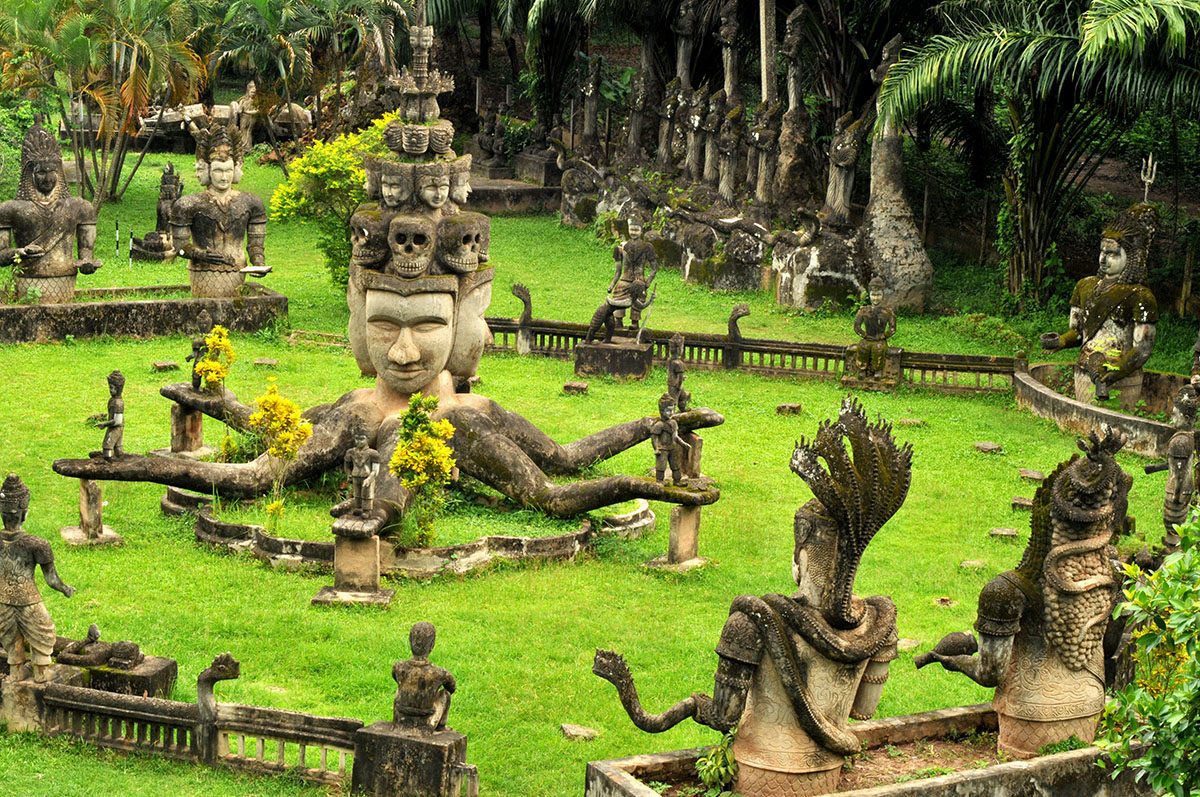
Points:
(948, 373)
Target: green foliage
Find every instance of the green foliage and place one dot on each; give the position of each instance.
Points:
(1072, 742)
(423, 461)
(927, 772)
(325, 187)
(717, 768)
(16, 116)
(1153, 725)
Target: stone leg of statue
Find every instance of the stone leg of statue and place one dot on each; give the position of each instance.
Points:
(561, 460)
(486, 448)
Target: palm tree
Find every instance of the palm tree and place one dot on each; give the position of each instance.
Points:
(1071, 79)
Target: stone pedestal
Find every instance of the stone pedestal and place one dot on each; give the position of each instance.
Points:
(539, 168)
(20, 701)
(892, 372)
(154, 677)
(187, 435)
(355, 564)
(389, 760)
(626, 360)
(683, 545)
(689, 460)
(493, 172)
(91, 529)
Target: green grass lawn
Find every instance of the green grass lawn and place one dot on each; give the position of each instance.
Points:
(519, 639)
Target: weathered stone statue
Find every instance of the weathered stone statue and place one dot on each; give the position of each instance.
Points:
(754, 144)
(793, 670)
(417, 325)
(158, 244)
(728, 144)
(637, 115)
(221, 231)
(676, 373)
(665, 161)
(875, 323)
(606, 316)
(1113, 314)
(791, 170)
(712, 133)
(460, 182)
(198, 348)
(114, 425)
(26, 630)
(423, 690)
(1180, 466)
(727, 35)
(634, 259)
(362, 467)
(664, 435)
(848, 136)
(44, 228)
(694, 163)
(1041, 626)
(247, 116)
(768, 153)
(684, 28)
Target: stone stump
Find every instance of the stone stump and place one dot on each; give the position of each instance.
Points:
(91, 529)
(355, 564)
(684, 542)
(391, 760)
(627, 360)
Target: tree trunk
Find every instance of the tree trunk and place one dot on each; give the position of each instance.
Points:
(486, 12)
(766, 45)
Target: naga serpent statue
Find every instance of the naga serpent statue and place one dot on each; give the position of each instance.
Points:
(1042, 626)
(420, 284)
(792, 670)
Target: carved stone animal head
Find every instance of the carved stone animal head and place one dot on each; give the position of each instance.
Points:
(411, 240)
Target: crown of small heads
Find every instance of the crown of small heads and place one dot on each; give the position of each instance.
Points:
(14, 495)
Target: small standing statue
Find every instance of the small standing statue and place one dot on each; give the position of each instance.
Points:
(666, 127)
(728, 144)
(362, 466)
(26, 629)
(694, 162)
(874, 323)
(664, 434)
(1181, 457)
(675, 373)
(423, 689)
(633, 258)
(198, 349)
(727, 35)
(684, 28)
(158, 245)
(768, 153)
(42, 227)
(1113, 314)
(1042, 625)
(637, 114)
(712, 132)
(114, 425)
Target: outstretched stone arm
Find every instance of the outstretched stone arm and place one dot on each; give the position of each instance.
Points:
(1001, 604)
(612, 667)
(330, 440)
(1052, 341)
(223, 406)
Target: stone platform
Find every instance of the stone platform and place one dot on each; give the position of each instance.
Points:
(501, 197)
(625, 360)
(107, 311)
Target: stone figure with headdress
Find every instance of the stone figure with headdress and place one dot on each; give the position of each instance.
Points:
(1113, 314)
(46, 235)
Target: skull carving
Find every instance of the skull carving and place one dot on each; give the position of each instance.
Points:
(461, 241)
(368, 240)
(411, 241)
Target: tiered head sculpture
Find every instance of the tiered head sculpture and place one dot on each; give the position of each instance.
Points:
(415, 240)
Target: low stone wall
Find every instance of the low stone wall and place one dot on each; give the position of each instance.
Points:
(513, 198)
(104, 312)
(397, 560)
(1071, 774)
(1143, 436)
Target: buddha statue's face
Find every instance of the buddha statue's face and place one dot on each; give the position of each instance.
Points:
(393, 190)
(222, 174)
(409, 337)
(1112, 258)
(435, 190)
(44, 177)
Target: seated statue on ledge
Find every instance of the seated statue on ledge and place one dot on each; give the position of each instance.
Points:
(44, 226)
(1113, 314)
(423, 689)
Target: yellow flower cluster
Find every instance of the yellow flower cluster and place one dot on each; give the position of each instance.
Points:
(422, 460)
(217, 359)
(278, 422)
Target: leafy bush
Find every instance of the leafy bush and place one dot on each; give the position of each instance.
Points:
(717, 768)
(325, 186)
(16, 116)
(1153, 725)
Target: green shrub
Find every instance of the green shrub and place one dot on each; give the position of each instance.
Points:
(1153, 725)
(326, 187)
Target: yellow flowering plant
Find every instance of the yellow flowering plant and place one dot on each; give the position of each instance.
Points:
(217, 359)
(423, 462)
(283, 430)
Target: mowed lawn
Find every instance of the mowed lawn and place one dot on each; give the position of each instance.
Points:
(519, 639)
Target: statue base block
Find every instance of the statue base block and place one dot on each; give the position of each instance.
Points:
(390, 760)
(622, 360)
(665, 564)
(154, 677)
(332, 596)
(493, 172)
(75, 535)
(20, 701)
(538, 168)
